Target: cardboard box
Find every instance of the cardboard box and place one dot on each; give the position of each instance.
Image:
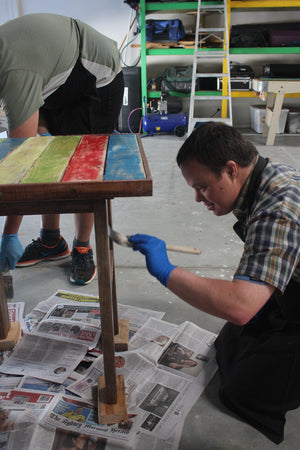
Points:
(257, 119)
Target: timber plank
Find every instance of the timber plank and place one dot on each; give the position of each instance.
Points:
(87, 163)
(16, 164)
(124, 161)
(9, 144)
(51, 165)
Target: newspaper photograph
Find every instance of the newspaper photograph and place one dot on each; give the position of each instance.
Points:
(44, 358)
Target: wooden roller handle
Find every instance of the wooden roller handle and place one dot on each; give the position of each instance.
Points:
(180, 248)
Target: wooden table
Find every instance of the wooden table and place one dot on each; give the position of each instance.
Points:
(77, 174)
(276, 90)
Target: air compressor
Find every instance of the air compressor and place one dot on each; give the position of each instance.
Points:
(158, 120)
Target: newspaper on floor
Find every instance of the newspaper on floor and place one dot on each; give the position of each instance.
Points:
(59, 439)
(163, 378)
(166, 369)
(185, 349)
(50, 308)
(70, 414)
(44, 358)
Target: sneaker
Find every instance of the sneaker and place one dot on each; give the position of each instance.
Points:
(37, 252)
(83, 268)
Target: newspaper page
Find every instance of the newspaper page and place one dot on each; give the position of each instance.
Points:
(16, 313)
(184, 348)
(44, 358)
(27, 399)
(132, 365)
(69, 413)
(68, 331)
(17, 428)
(59, 439)
(136, 316)
(157, 398)
(52, 388)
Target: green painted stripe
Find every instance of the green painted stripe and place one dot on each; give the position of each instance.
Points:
(51, 166)
(18, 162)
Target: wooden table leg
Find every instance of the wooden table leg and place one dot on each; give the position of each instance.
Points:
(113, 276)
(4, 316)
(105, 298)
(111, 389)
(273, 110)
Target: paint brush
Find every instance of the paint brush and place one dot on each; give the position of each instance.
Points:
(8, 283)
(122, 239)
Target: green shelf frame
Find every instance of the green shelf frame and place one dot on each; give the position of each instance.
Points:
(186, 6)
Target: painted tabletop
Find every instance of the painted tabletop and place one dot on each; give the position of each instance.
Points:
(70, 167)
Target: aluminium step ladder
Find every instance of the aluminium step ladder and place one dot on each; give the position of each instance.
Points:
(220, 100)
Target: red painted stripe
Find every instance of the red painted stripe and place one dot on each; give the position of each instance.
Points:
(87, 163)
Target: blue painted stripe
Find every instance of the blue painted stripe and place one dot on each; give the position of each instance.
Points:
(123, 161)
(9, 144)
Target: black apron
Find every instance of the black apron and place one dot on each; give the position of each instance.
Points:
(260, 362)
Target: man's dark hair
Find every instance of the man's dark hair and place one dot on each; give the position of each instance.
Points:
(213, 144)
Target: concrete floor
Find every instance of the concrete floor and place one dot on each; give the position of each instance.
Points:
(173, 215)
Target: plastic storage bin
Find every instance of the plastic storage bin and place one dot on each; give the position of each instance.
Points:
(257, 119)
(293, 122)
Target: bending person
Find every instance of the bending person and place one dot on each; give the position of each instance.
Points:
(59, 76)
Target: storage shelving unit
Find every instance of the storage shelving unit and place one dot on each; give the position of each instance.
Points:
(232, 6)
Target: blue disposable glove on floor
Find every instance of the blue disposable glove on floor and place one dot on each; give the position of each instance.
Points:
(11, 250)
(157, 260)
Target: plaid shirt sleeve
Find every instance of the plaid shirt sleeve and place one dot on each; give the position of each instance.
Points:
(272, 246)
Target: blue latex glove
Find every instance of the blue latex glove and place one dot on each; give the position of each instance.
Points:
(10, 250)
(46, 134)
(157, 260)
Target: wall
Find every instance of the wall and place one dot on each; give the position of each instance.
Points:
(110, 17)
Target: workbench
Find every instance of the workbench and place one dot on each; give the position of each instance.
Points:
(77, 174)
(275, 90)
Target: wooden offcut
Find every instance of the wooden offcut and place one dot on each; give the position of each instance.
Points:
(12, 337)
(112, 413)
(122, 338)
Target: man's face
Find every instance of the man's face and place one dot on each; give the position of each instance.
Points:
(218, 193)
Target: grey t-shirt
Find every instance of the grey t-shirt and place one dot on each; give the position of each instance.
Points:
(38, 53)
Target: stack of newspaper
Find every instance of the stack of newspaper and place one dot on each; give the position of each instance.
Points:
(48, 383)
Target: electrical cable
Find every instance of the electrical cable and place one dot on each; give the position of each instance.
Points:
(136, 33)
(128, 120)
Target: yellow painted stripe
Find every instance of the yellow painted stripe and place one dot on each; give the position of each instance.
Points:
(17, 163)
(51, 166)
